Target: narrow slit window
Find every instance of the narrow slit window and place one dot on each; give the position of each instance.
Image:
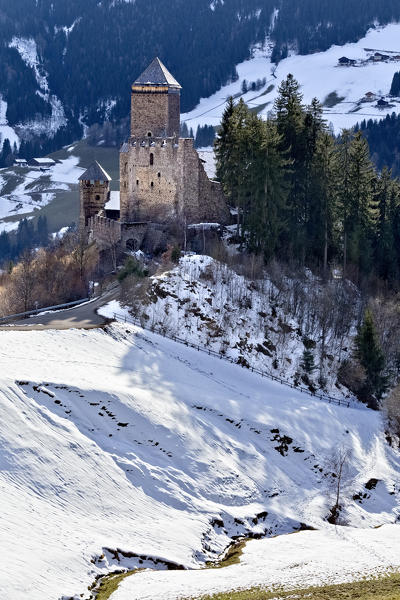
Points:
(151, 158)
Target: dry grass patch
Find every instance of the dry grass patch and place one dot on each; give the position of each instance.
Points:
(381, 588)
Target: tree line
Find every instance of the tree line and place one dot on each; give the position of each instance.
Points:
(302, 195)
(111, 42)
(384, 141)
(29, 235)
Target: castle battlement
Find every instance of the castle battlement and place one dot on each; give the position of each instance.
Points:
(162, 179)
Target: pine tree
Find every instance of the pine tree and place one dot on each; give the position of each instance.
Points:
(265, 222)
(222, 142)
(344, 190)
(371, 357)
(387, 195)
(362, 206)
(42, 231)
(6, 156)
(232, 155)
(395, 88)
(290, 115)
(322, 200)
(307, 362)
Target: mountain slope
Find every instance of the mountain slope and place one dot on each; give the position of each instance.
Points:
(90, 52)
(124, 440)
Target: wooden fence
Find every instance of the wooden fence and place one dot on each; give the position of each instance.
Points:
(267, 375)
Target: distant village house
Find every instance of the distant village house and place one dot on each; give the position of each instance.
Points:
(42, 163)
(347, 62)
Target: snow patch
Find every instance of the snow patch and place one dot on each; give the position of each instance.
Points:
(27, 49)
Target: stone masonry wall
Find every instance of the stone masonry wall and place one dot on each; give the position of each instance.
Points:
(163, 181)
(149, 192)
(149, 114)
(93, 197)
(106, 232)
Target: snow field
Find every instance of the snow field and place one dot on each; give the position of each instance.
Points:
(34, 189)
(305, 559)
(141, 444)
(319, 76)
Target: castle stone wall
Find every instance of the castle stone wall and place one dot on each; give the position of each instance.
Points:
(93, 198)
(106, 232)
(163, 181)
(155, 111)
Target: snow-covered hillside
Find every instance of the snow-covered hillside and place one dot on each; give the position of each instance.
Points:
(120, 439)
(24, 190)
(261, 323)
(6, 132)
(321, 77)
(27, 49)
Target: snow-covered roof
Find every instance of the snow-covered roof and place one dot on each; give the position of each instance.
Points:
(44, 161)
(204, 226)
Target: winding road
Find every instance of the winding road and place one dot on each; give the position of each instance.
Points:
(83, 316)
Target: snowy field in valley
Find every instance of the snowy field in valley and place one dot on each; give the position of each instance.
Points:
(27, 189)
(307, 558)
(319, 76)
(121, 439)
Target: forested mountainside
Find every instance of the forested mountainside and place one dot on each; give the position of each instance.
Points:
(81, 57)
(384, 141)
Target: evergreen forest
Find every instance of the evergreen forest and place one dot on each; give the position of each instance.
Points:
(304, 196)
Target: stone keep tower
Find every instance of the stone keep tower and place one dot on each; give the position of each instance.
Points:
(162, 178)
(94, 192)
(155, 108)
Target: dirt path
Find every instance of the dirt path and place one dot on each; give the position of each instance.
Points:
(79, 317)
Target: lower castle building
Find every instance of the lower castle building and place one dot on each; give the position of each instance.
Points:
(163, 183)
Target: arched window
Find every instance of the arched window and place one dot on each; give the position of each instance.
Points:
(151, 158)
(158, 175)
(97, 197)
(149, 134)
(137, 181)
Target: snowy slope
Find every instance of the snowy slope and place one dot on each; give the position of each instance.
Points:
(27, 49)
(121, 439)
(319, 76)
(29, 189)
(207, 303)
(6, 132)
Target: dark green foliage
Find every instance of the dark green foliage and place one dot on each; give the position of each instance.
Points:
(307, 362)
(6, 154)
(131, 267)
(384, 141)
(175, 254)
(395, 88)
(371, 357)
(205, 136)
(304, 196)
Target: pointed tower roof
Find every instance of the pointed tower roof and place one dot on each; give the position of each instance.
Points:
(95, 173)
(157, 74)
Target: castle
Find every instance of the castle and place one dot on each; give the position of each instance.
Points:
(163, 183)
